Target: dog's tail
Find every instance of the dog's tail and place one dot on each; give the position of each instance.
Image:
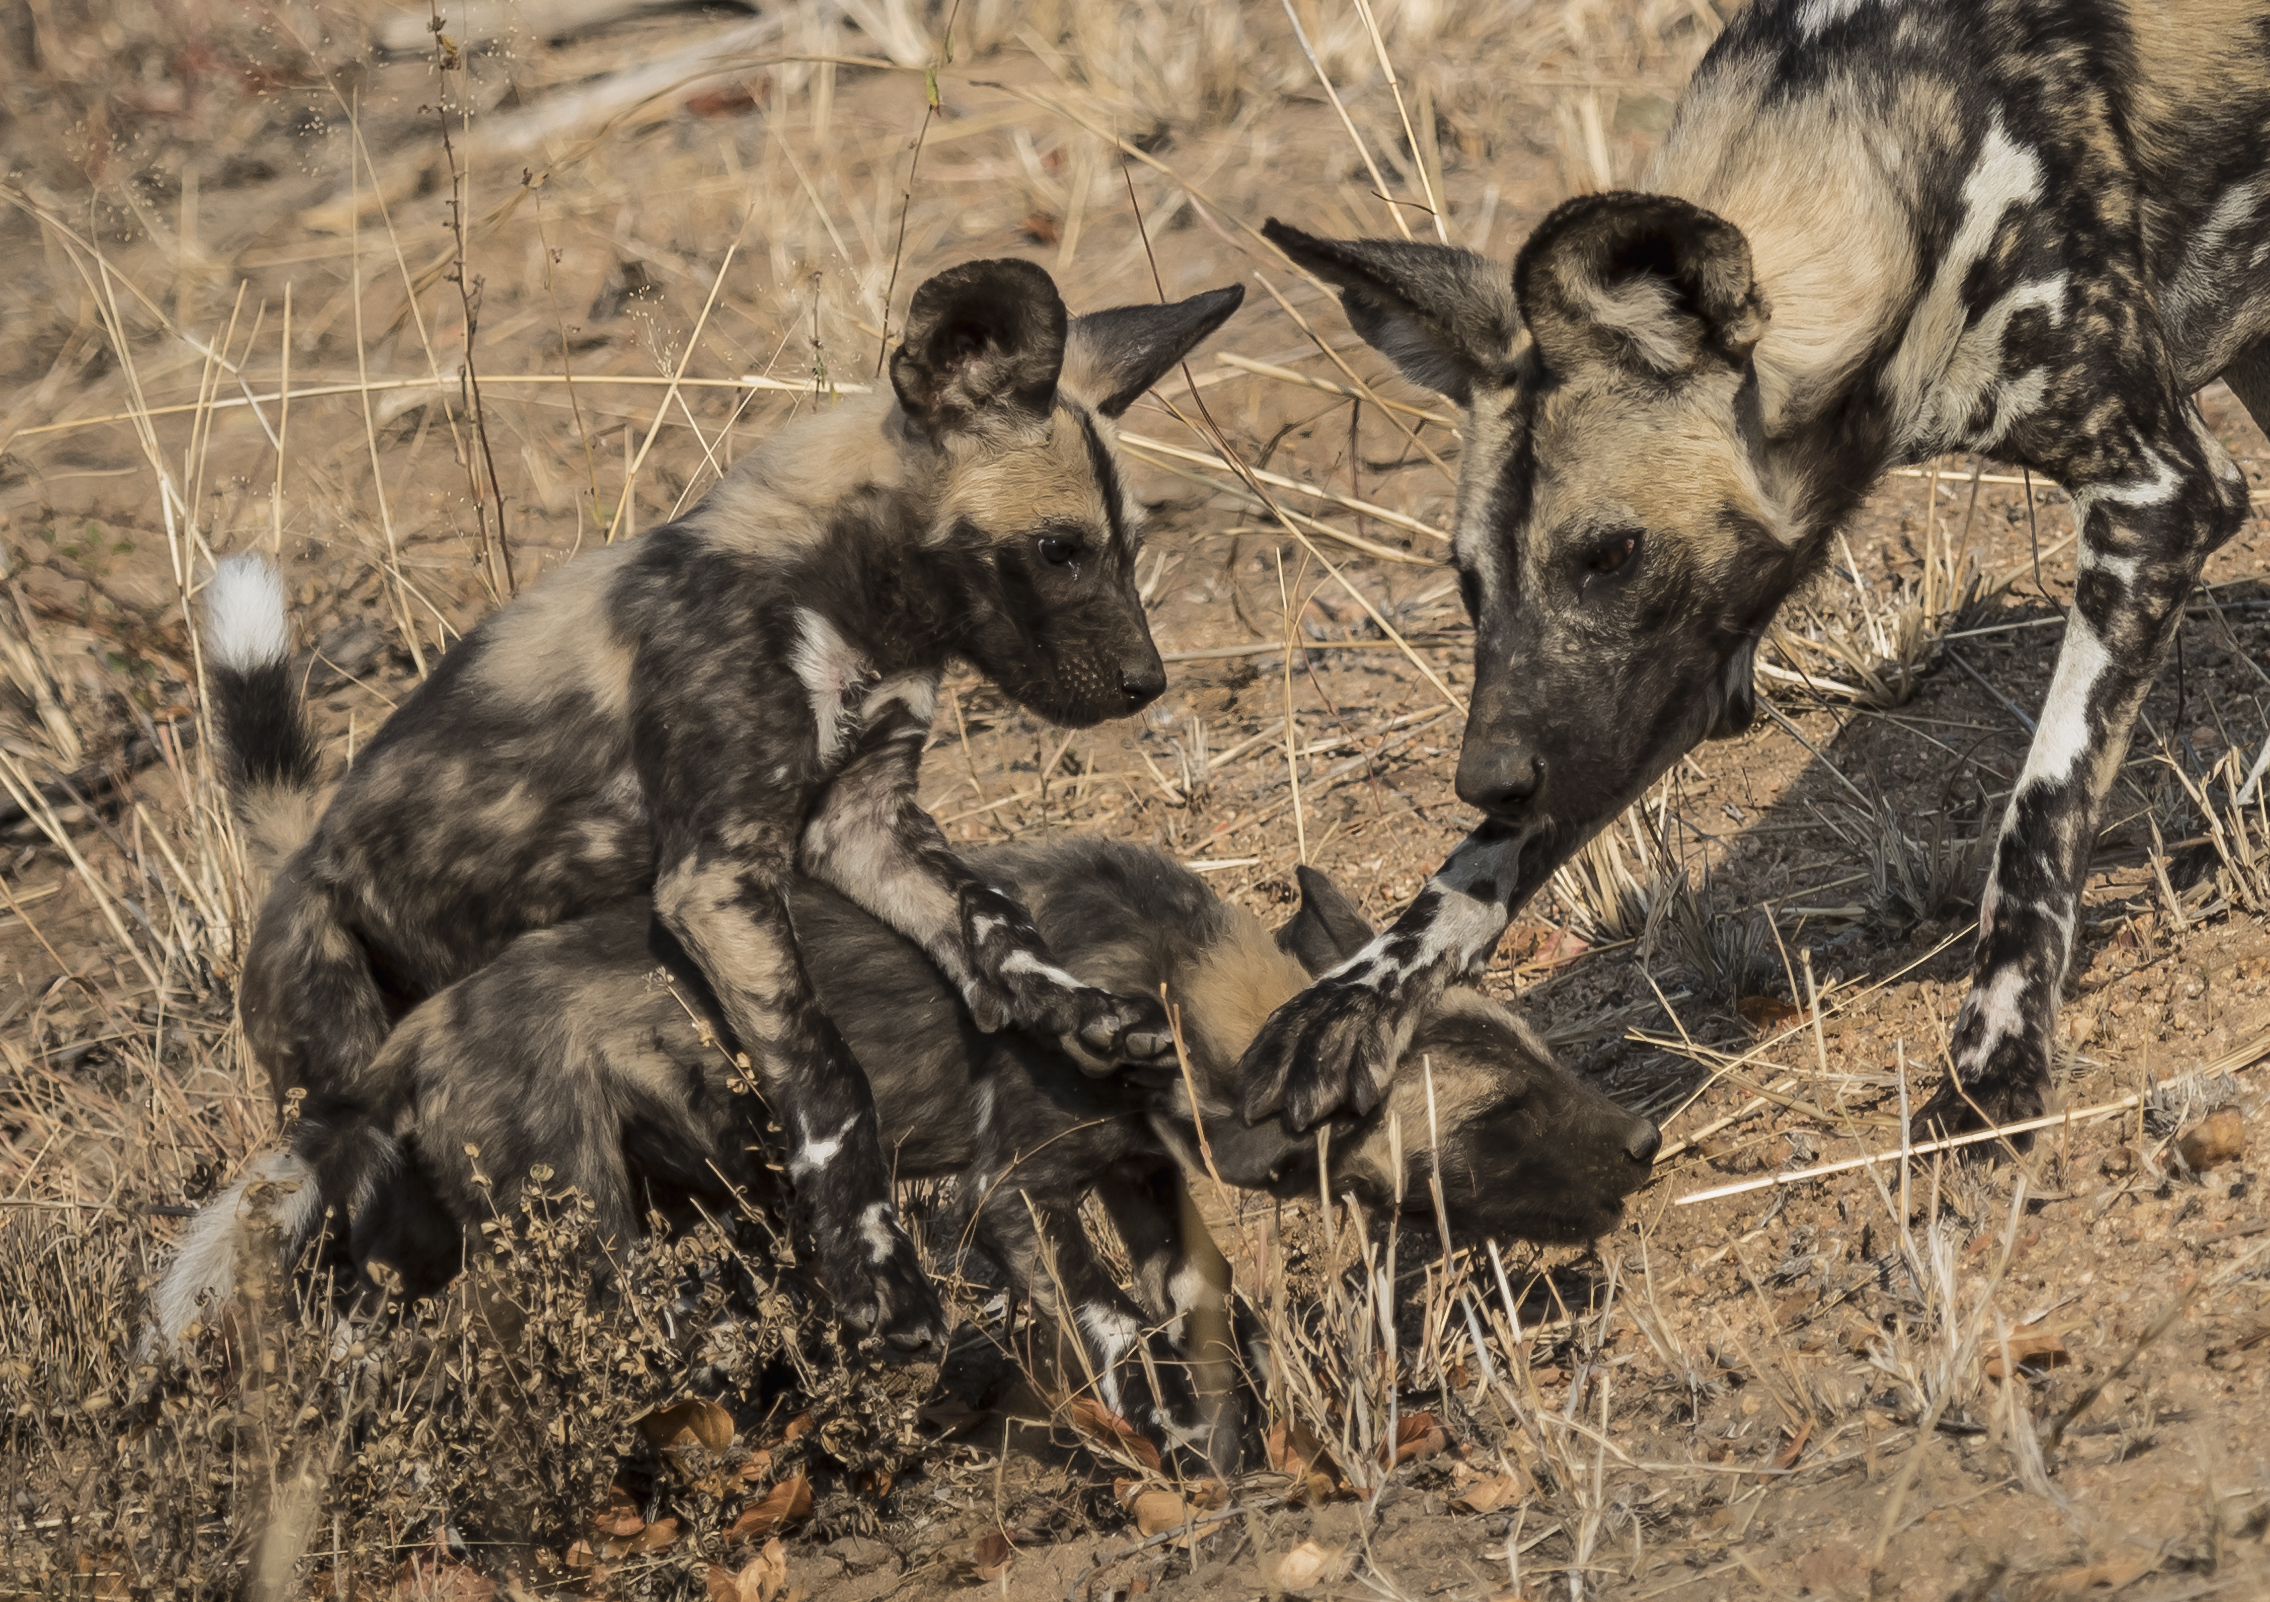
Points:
(268, 750)
(203, 1270)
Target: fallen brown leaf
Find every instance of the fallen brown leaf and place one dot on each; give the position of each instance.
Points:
(1156, 1509)
(695, 1421)
(618, 1515)
(2037, 1350)
(991, 1555)
(1487, 1494)
(655, 1537)
(1108, 1432)
(2218, 1138)
(782, 1506)
(761, 1579)
(1418, 1436)
(428, 1579)
(1311, 1564)
(1765, 1014)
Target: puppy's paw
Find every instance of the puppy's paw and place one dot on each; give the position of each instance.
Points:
(881, 1290)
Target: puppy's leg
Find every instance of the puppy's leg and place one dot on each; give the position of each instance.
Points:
(1038, 1239)
(2154, 493)
(870, 839)
(733, 921)
(1184, 1283)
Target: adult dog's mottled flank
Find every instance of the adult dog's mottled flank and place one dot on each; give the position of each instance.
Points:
(595, 1052)
(1876, 232)
(677, 717)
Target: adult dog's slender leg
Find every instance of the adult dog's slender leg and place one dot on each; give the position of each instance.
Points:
(871, 839)
(733, 920)
(2145, 532)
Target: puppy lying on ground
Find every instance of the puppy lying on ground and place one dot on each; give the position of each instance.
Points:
(595, 1050)
(678, 720)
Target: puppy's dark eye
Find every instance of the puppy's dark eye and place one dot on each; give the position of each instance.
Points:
(1058, 552)
(1612, 556)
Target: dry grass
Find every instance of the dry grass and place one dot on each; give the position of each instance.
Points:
(250, 289)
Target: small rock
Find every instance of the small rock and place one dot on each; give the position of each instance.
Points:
(2217, 1138)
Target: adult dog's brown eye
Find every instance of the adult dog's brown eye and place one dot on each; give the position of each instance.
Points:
(1056, 552)
(1611, 557)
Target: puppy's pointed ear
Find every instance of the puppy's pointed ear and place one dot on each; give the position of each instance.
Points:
(1329, 928)
(983, 348)
(1113, 356)
(1445, 317)
(1649, 283)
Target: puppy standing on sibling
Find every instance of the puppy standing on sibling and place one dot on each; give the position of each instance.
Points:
(595, 1051)
(1876, 233)
(686, 716)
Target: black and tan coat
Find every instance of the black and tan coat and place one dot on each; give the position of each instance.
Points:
(594, 1055)
(671, 720)
(1878, 231)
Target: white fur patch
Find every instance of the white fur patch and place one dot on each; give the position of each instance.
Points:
(814, 1155)
(1995, 1004)
(1816, 15)
(878, 1231)
(204, 1263)
(1928, 394)
(1026, 963)
(2062, 739)
(828, 665)
(245, 625)
(1112, 1333)
(917, 692)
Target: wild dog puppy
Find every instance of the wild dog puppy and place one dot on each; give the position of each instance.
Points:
(596, 1049)
(671, 720)
(1876, 232)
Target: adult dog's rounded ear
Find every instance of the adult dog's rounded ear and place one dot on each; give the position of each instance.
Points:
(1328, 929)
(1643, 282)
(1444, 317)
(984, 346)
(1113, 356)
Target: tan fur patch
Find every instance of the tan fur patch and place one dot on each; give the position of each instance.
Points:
(277, 821)
(1011, 492)
(1231, 990)
(1814, 184)
(777, 500)
(555, 639)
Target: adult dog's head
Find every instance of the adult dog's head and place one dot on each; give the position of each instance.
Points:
(1619, 539)
(1035, 534)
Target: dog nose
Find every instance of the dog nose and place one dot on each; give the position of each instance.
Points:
(1646, 1140)
(1498, 777)
(1142, 680)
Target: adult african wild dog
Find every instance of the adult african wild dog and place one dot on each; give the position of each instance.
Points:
(1877, 231)
(673, 718)
(595, 1049)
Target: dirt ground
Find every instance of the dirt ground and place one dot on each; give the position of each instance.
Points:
(2035, 1377)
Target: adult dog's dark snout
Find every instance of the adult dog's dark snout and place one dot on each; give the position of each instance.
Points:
(1499, 776)
(1142, 679)
(1644, 1142)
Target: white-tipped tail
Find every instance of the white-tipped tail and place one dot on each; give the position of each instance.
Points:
(245, 626)
(205, 1262)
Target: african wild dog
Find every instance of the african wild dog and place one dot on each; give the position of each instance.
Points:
(673, 719)
(595, 1049)
(1878, 231)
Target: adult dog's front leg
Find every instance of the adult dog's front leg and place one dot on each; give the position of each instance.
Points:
(734, 922)
(1336, 1044)
(870, 839)
(2144, 538)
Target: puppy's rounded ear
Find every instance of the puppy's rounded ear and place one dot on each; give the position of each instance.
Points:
(1329, 928)
(984, 345)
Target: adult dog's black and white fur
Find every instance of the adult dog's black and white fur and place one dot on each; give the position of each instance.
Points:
(1877, 231)
(594, 1053)
(672, 719)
